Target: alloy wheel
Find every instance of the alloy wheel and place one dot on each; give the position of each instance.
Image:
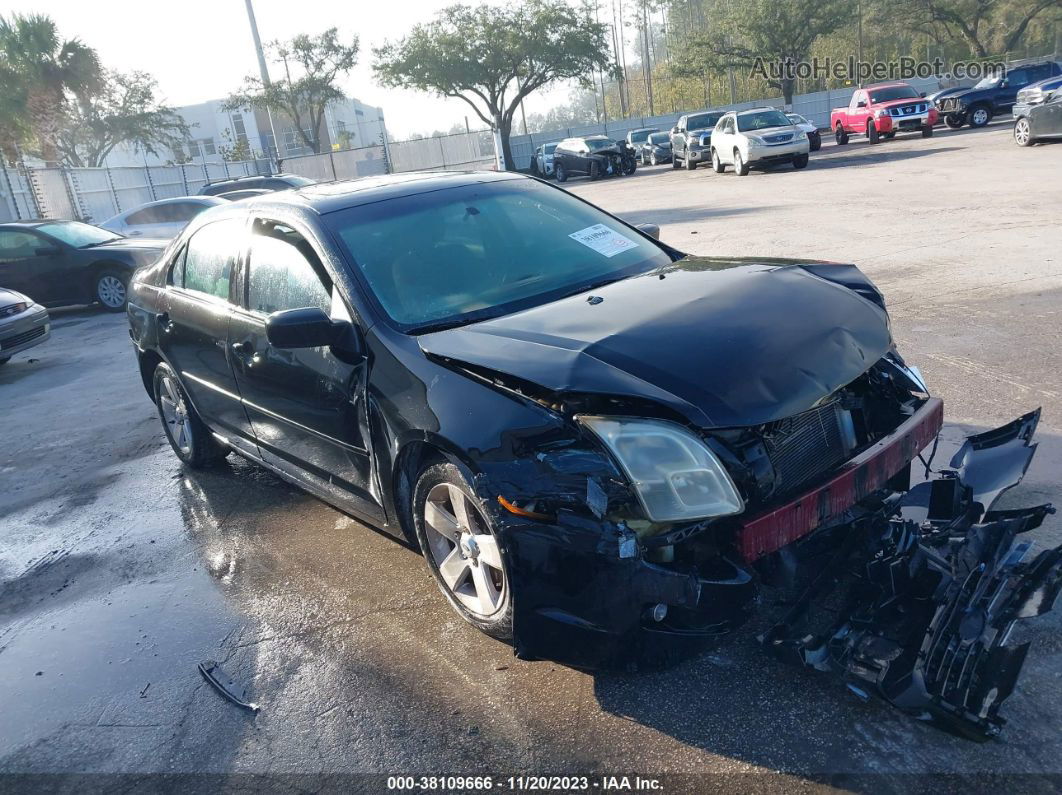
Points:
(980, 117)
(1021, 132)
(464, 550)
(111, 291)
(175, 415)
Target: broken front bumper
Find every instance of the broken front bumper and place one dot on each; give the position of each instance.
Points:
(931, 589)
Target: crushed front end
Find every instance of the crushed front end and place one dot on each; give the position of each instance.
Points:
(931, 579)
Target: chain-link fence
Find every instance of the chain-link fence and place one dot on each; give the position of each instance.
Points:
(96, 194)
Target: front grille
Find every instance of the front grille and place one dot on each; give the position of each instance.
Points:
(947, 105)
(778, 139)
(12, 309)
(803, 447)
(908, 110)
(24, 337)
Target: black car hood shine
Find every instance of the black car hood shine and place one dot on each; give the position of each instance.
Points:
(137, 245)
(725, 343)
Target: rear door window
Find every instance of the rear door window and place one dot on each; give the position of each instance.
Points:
(211, 254)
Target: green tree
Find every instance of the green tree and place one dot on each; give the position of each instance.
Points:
(755, 33)
(987, 27)
(120, 109)
(40, 71)
(311, 65)
(493, 57)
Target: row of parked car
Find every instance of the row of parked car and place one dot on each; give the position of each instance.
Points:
(58, 263)
(767, 136)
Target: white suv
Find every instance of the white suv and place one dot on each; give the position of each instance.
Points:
(757, 138)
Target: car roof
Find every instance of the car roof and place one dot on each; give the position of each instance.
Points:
(172, 200)
(893, 84)
(30, 223)
(327, 197)
(755, 110)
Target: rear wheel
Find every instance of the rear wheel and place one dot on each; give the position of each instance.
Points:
(872, 133)
(560, 173)
(741, 168)
(187, 434)
(1023, 132)
(840, 135)
(717, 164)
(462, 550)
(980, 116)
(112, 291)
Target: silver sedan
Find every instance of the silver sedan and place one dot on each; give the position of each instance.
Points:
(162, 219)
(23, 324)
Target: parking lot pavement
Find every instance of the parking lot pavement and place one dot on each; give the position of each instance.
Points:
(119, 572)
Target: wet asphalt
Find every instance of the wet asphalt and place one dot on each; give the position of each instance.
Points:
(120, 571)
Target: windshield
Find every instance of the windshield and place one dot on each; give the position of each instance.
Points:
(659, 138)
(639, 136)
(77, 234)
(549, 149)
(599, 143)
(298, 182)
(988, 82)
(893, 92)
(463, 254)
(761, 120)
(703, 121)
(796, 118)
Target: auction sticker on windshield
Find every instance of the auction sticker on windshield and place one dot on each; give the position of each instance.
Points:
(603, 240)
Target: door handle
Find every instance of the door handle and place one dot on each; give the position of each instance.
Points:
(244, 348)
(164, 322)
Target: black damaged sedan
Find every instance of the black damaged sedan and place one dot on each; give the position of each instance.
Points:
(598, 443)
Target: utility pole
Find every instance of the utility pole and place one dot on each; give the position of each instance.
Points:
(274, 157)
(859, 66)
(648, 60)
(616, 49)
(623, 53)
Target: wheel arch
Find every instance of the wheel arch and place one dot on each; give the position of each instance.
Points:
(416, 454)
(101, 266)
(148, 361)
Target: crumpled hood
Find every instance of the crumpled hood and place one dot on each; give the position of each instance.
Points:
(724, 342)
(137, 245)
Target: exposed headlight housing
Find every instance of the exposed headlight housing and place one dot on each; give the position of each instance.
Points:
(673, 472)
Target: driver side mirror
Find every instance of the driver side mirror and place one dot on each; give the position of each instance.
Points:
(649, 229)
(922, 94)
(861, 104)
(312, 328)
(674, 130)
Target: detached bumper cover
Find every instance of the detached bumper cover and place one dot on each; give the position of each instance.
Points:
(931, 590)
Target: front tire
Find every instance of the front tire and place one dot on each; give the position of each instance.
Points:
(112, 291)
(462, 551)
(980, 115)
(1023, 132)
(927, 131)
(717, 164)
(652, 159)
(741, 168)
(955, 120)
(800, 161)
(560, 173)
(691, 165)
(675, 162)
(186, 432)
(872, 133)
(816, 145)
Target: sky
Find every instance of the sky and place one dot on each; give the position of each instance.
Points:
(201, 49)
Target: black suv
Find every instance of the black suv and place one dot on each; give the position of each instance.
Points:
(270, 183)
(691, 138)
(991, 97)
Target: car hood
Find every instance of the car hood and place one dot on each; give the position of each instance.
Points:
(8, 297)
(135, 245)
(947, 92)
(724, 342)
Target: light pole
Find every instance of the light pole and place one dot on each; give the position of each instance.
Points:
(274, 156)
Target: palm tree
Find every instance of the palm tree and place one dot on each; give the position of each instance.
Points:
(42, 69)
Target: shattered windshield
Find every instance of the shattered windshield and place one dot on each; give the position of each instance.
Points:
(464, 254)
(761, 120)
(77, 234)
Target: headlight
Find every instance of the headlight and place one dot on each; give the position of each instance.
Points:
(800, 135)
(755, 139)
(881, 112)
(674, 474)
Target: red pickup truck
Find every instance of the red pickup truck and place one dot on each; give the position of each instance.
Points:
(883, 110)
